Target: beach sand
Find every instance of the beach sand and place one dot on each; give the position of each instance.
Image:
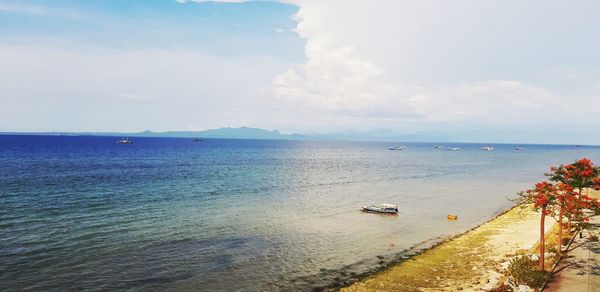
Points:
(473, 261)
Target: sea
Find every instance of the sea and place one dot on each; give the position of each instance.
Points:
(87, 213)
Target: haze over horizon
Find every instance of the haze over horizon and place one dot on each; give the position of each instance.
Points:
(524, 70)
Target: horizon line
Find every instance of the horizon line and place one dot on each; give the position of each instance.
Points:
(306, 137)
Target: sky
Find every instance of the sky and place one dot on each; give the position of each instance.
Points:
(505, 71)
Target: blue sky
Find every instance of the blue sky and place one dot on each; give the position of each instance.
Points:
(472, 69)
(215, 28)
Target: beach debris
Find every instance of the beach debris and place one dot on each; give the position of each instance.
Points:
(524, 288)
(380, 257)
(535, 257)
(452, 217)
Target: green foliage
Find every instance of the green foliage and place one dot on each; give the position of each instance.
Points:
(521, 271)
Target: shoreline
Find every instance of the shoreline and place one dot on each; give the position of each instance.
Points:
(422, 259)
(413, 251)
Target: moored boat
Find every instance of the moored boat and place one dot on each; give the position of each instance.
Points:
(124, 141)
(487, 148)
(381, 208)
(397, 147)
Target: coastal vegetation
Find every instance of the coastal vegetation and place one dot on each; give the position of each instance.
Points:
(563, 197)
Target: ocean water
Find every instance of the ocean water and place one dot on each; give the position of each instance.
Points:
(174, 214)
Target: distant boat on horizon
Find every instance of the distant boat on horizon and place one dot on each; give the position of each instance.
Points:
(198, 140)
(519, 148)
(397, 147)
(447, 148)
(125, 141)
(487, 148)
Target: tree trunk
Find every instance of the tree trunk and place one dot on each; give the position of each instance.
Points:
(579, 209)
(542, 239)
(560, 230)
(579, 199)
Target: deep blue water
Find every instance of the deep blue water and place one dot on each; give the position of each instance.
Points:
(168, 213)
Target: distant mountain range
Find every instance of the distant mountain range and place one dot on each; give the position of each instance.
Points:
(256, 133)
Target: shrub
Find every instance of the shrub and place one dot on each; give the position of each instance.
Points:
(521, 271)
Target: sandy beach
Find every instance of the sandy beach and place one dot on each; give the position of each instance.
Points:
(474, 261)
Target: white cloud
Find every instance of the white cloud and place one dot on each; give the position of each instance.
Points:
(69, 87)
(442, 64)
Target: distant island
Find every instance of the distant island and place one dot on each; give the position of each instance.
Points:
(376, 135)
(262, 134)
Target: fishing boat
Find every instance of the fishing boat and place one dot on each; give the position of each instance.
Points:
(381, 208)
(198, 140)
(397, 147)
(487, 148)
(124, 141)
(519, 148)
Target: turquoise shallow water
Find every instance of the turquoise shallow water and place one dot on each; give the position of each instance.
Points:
(164, 213)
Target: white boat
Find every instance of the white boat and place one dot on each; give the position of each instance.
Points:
(487, 148)
(397, 147)
(124, 141)
(382, 208)
(518, 148)
(447, 148)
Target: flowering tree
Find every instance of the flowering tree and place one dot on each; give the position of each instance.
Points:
(544, 197)
(582, 174)
(565, 199)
